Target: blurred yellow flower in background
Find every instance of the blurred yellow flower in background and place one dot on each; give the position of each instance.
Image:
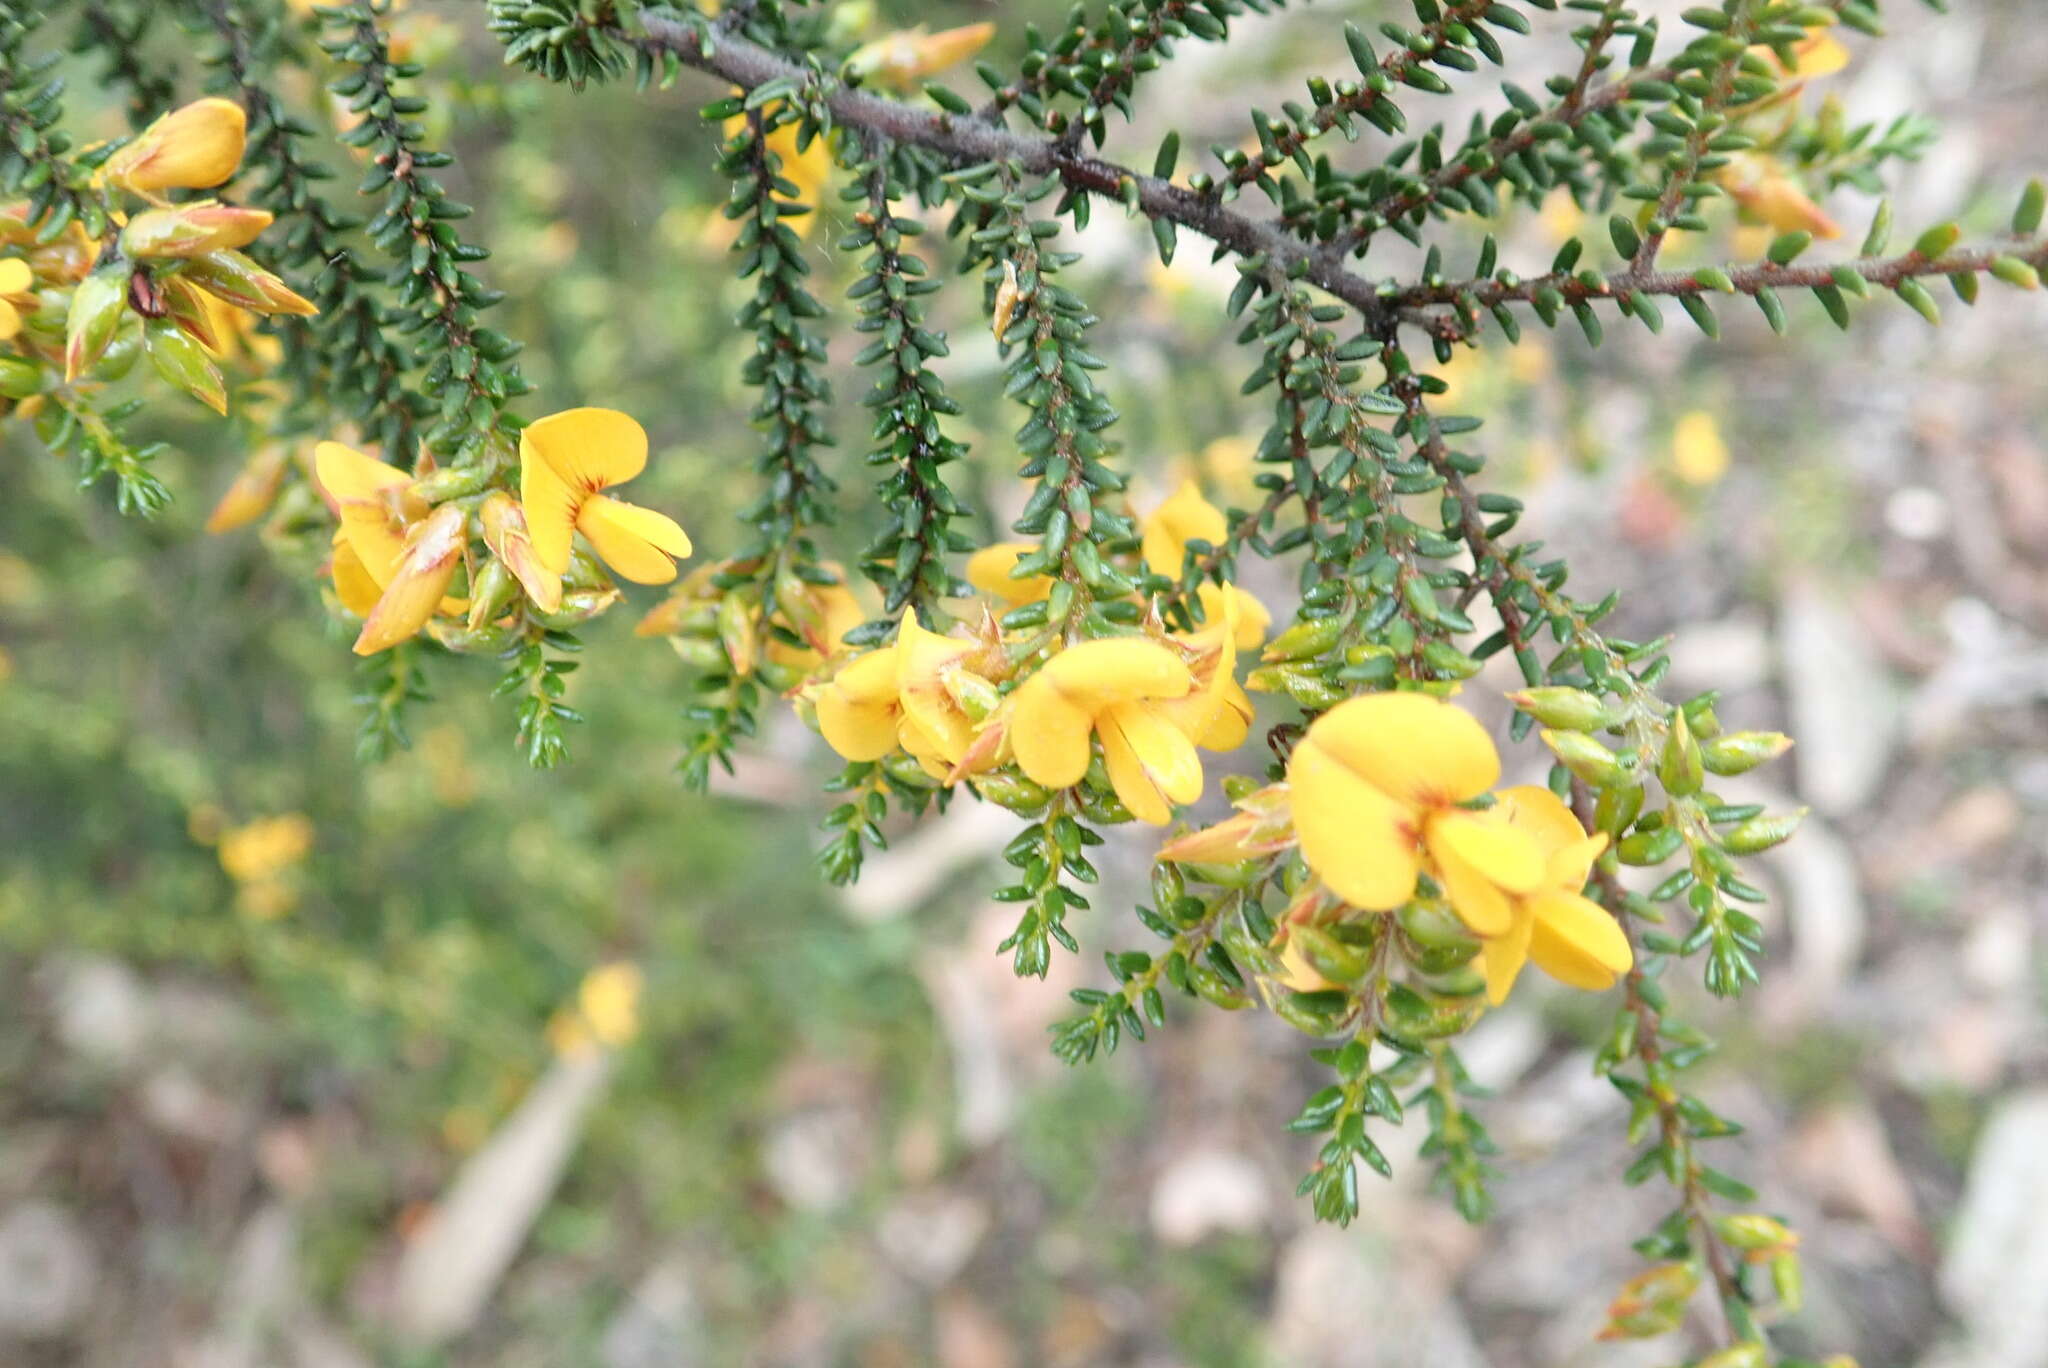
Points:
(902, 59)
(989, 571)
(605, 1013)
(1699, 456)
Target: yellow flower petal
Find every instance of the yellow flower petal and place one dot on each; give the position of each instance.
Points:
(1152, 764)
(1095, 674)
(15, 276)
(637, 542)
(1048, 734)
(1184, 517)
(415, 589)
(349, 476)
(1505, 856)
(1358, 840)
(10, 321)
(1478, 902)
(551, 508)
(353, 585)
(989, 571)
(857, 710)
(1568, 851)
(590, 448)
(1576, 942)
(1417, 750)
(1501, 958)
(921, 659)
(1221, 601)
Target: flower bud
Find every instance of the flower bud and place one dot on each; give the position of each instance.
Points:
(490, 594)
(19, 377)
(1566, 708)
(192, 148)
(488, 640)
(1012, 791)
(1754, 1232)
(1761, 833)
(96, 308)
(1588, 759)
(1328, 956)
(1616, 808)
(1652, 1303)
(230, 276)
(1007, 295)
(504, 523)
(1650, 847)
(1748, 1354)
(450, 482)
(1741, 752)
(191, 230)
(433, 550)
(579, 605)
(183, 364)
(1307, 638)
(1679, 768)
(736, 632)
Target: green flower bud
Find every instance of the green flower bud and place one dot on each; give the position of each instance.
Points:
(1565, 708)
(19, 378)
(1761, 833)
(1588, 759)
(96, 308)
(1617, 808)
(1650, 847)
(1330, 957)
(1741, 752)
(1015, 792)
(1310, 637)
(1680, 768)
(183, 364)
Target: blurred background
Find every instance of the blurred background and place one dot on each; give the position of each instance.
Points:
(264, 1011)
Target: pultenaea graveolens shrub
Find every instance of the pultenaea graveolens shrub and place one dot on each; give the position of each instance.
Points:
(1381, 890)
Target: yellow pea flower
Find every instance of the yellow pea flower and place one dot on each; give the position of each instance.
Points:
(251, 493)
(932, 679)
(609, 998)
(1762, 189)
(265, 848)
(375, 504)
(989, 571)
(859, 707)
(17, 292)
(1111, 689)
(1376, 784)
(809, 171)
(901, 59)
(1184, 517)
(418, 582)
(195, 147)
(1571, 937)
(1699, 454)
(565, 460)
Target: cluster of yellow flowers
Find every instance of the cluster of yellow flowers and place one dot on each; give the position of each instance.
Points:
(1381, 793)
(70, 309)
(1389, 787)
(963, 706)
(397, 550)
